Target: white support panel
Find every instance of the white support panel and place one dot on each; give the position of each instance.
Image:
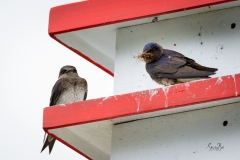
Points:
(92, 139)
(96, 50)
(195, 135)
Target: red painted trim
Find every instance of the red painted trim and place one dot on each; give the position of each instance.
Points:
(237, 80)
(142, 102)
(93, 13)
(83, 56)
(67, 144)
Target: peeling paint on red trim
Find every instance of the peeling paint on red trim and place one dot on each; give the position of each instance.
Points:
(94, 13)
(237, 81)
(175, 96)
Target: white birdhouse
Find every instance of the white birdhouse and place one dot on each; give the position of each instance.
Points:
(144, 120)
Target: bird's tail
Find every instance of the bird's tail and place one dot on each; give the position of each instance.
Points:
(197, 66)
(49, 141)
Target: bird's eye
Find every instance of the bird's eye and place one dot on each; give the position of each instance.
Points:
(63, 71)
(74, 70)
(152, 50)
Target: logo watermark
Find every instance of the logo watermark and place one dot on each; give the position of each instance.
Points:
(218, 147)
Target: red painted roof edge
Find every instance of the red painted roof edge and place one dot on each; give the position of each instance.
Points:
(175, 96)
(95, 13)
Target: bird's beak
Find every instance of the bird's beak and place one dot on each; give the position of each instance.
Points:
(140, 56)
(146, 55)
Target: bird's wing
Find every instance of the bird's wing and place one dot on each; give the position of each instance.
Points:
(187, 72)
(172, 53)
(165, 65)
(49, 142)
(175, 65)
(197, 66)
(190, 62)
(85, 94)
(56, 92)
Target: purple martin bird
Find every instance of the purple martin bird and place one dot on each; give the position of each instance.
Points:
(68, 88)
(167, 67)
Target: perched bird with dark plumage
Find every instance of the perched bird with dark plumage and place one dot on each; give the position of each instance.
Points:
(68, 88)
(169, 67)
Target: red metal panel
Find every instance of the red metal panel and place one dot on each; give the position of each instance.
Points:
(94, 13)
(201, 91)
(141, 102)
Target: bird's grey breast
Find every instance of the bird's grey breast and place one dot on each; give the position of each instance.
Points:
(75, 91)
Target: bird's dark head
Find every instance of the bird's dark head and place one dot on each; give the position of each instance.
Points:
(68, 71)
(151, 52)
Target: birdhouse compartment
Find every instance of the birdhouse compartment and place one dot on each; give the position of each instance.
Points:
(211, 39)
